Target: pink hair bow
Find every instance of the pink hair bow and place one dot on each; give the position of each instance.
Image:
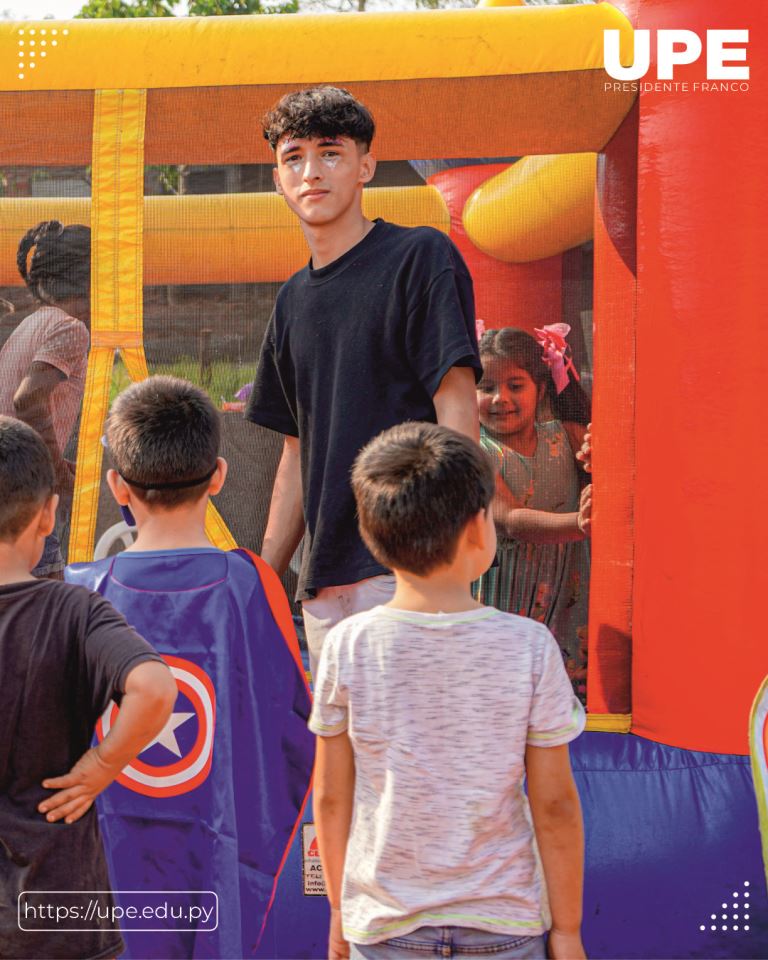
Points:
(557, 353)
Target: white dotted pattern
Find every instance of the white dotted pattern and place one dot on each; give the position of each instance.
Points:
(28, 42)
(734, 916)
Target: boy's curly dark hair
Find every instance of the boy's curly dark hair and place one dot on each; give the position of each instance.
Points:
(319, 112)
(60, 264)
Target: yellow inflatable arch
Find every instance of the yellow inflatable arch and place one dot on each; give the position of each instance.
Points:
(117, 95)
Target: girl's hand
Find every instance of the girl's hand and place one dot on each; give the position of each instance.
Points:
(338, 948)
(565, 946)
(584, 455)
(584, 519)
(77, 789)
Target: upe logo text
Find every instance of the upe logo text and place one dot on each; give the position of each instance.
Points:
(675, 48)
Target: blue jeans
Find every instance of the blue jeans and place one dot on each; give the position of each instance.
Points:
(452, 942)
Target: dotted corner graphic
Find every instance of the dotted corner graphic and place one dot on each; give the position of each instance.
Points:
(34, 44)
(740, 908)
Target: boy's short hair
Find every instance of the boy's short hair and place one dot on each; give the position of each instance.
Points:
(26, 476)
(163, 433)
(417, 485)
(319, 112)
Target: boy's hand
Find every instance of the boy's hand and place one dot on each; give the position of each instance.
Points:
(338, 948)
(77, 789)
(565, 946)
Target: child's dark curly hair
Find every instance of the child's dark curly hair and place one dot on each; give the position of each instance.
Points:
(60, 265)
(319, 112)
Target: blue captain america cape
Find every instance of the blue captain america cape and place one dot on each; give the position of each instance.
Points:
(213, 803)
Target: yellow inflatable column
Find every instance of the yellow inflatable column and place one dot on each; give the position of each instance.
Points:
(117, 277)
(116, 286)
(540, 206)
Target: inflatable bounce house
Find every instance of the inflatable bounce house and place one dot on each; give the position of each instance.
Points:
(634, 218)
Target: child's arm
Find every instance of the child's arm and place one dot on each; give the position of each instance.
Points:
(538, 526)
(32, 404)
(334, 787)
(150, 693)
(559, 831)
(534, 526)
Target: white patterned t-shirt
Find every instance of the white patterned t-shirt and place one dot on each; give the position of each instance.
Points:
(439, 709)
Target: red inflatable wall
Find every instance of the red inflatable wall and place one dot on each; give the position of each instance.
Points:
(613, 410)
(700, 527)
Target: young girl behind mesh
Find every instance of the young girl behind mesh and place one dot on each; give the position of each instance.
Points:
(43, 362)
(533, 417)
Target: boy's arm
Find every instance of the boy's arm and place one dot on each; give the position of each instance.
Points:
(285, 524)
(334, 786)
(456, 403)
(559, 831)
(150, 693)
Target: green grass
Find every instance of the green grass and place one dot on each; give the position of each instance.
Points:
(225, 377)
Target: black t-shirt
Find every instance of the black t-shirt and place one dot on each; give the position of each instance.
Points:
(64, 654)
(352, 349)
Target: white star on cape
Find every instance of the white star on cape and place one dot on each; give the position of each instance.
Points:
(167, 737)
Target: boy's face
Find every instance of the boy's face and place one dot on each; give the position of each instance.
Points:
(321, 178)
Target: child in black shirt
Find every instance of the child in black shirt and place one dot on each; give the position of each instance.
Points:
(64, 654)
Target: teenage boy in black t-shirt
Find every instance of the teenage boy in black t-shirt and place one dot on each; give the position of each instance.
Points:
(377, 329)
(64, 654)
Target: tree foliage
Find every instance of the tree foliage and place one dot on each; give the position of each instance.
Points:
(95, 9)
(221, 8)
(98, 9)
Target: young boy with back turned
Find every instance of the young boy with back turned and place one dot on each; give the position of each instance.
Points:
(64, 653)
(215, 801)
(430, 711)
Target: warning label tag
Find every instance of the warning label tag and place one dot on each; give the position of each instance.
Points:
(312, 868)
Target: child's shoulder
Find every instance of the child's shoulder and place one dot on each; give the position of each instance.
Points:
(562, 431)
(195, 568)
(359, 622)
(87, 575)
(495, 448)
(368, 623)
(63, 592)
(488, 621)
(516, 625)
(248, 567)
(57, 606)
(517, 638)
